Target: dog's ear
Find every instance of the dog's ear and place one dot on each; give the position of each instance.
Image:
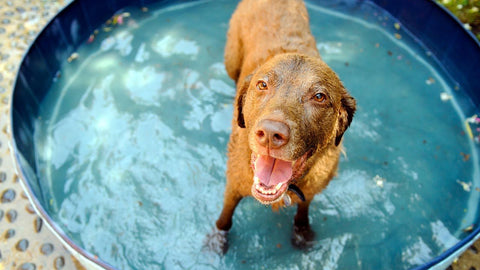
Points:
(347, 110)
(242, 91)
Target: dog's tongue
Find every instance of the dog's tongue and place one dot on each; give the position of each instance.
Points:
(272, 171)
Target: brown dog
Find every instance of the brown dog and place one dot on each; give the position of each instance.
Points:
(291, 113)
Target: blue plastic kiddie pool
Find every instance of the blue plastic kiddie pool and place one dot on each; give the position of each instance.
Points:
(121, 114)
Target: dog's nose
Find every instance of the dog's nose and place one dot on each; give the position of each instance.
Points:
(272, 134)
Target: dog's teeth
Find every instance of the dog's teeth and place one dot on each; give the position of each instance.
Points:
(264, 190)
(279, 185)
(256, 180)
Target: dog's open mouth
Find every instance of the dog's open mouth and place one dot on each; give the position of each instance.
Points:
(272, 176)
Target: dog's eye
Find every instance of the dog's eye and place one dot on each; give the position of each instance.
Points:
(320, 97)
(262, 85)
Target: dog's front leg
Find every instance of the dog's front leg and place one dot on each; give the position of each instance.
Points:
(302, 235)
(231, 201)
(218, 241)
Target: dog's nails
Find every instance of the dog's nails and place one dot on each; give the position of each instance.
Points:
(296, 190)
(287, 200)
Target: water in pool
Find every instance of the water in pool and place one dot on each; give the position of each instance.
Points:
(131, 144)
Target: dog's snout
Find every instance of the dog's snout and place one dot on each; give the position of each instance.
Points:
(272, 134)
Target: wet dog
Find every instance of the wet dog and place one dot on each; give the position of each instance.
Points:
(291, 111)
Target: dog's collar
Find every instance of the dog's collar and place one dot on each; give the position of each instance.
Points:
(295, 189)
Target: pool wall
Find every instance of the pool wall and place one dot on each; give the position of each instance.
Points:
(458, 52)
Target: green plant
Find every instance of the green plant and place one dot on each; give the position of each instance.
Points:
(467, 11)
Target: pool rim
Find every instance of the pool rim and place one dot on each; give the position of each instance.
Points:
(93, 260)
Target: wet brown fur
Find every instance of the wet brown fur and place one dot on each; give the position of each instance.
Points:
(271, 39)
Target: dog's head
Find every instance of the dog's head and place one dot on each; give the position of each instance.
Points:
(293, 106)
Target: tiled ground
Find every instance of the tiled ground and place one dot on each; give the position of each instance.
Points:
(26, 244)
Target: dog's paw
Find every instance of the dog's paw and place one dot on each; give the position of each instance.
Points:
(217, 241)
(303, 237)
